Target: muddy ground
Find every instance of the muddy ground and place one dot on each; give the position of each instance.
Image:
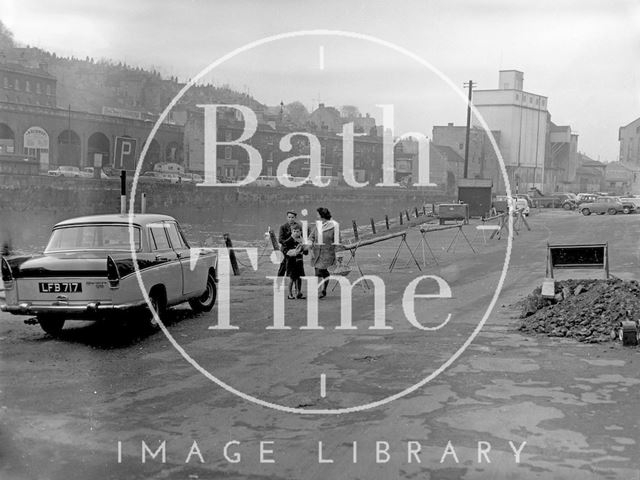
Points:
(67, 404)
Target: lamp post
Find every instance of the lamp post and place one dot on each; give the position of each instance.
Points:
(466, 143)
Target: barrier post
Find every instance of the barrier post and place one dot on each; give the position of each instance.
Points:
(373, 226)
(123, 192)
(355, 230)
(232, 254)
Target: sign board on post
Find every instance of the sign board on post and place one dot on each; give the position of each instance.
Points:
(475, 192)
(124, 153)
(590, 256)
(453, 211)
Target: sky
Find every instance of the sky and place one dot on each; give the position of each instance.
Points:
(583, 55)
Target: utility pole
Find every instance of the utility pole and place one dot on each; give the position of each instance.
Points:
(466, 143)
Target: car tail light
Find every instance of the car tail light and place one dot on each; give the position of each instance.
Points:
(112, 273)
(7, 274)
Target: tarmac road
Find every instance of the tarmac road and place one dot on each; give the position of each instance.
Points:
(66, 403)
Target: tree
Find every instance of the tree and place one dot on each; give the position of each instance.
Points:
(6, 37)
(297, 113)
(349, 111)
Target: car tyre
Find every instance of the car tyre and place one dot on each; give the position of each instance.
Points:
(51, 324)
(567, 206)
(207, 300)
(586, 211)
(626, 210)
(612, 211)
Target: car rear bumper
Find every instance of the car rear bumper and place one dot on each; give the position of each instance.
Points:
(90, 309)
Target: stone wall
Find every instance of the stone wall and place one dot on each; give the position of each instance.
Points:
(31, 205)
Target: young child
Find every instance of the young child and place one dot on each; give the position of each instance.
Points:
(293, 250)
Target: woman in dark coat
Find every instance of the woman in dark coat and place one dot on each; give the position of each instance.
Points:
(323, 247)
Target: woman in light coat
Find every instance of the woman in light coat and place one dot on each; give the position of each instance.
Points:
(323, 247)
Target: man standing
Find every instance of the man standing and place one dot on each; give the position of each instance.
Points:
(283, 235)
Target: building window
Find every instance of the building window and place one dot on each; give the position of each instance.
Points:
(517, 97)
(48, 89)
(227, 136)
(543, 102)
(38, 88)
(461, 146)
(6, 82)
(27, 86)
(16, 84)
(530, 99)
(227, 153)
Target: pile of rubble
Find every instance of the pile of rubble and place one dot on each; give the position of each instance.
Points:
(587, 310)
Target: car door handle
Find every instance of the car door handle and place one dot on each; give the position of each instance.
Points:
(160, 258)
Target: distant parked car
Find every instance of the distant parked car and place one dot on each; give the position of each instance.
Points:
(172, 177)
(525, 197)
(192, 178)
(65, 171)
(169, 167)
(602, 205)
(630, 204)
(501, 202)
(568, 201)
(267, 181)
(586, 198)
(89, 173)
(153, 176)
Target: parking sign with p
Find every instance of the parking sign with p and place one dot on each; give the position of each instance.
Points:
(125, 153)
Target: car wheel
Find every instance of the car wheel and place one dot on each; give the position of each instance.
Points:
(626, 210)
(612, 211)
(586, 211)
(207, 300)
(51, 324)
(567, 206)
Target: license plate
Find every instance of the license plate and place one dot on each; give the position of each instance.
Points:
(60, 287)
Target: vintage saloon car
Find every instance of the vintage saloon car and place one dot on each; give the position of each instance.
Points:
(86, 272)
(605, 204)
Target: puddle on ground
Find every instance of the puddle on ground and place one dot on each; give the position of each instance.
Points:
(605, 363)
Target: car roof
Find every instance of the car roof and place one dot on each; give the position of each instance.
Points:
(138, 219)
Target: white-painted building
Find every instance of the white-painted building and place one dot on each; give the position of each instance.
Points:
(522, 119)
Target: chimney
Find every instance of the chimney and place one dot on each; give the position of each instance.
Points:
(321, 105)
(43, 66)
(450, 124)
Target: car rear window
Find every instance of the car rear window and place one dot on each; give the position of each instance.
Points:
(92, 237)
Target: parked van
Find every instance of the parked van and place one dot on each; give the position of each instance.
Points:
(267, 181)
